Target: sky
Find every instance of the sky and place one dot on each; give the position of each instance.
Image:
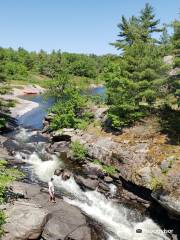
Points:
(81, 26)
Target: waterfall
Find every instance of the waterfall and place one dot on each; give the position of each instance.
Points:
(24, 134)
(116, 219)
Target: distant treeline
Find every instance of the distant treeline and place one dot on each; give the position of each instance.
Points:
(17, 64)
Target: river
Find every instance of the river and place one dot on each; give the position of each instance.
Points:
(118, 221)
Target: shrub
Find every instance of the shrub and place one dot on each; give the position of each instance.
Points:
(82, 124)
(6, 176)
(109, 169)
(79, 151)
(156, 184)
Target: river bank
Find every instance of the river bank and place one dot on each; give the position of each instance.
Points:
(22, 106)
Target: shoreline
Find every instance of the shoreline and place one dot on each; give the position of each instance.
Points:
(92, 85)
(23, 106)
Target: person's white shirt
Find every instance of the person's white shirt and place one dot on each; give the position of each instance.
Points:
(51, 186)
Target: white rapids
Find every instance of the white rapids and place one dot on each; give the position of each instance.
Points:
(114, 217)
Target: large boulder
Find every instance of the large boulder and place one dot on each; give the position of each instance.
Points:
(62, 148)
(100, 113)
(108, 179)
(67, 223)
(145, 176)
(91, 168)
(168, 59)
(25, 221)
(63, 134)
(86, 182)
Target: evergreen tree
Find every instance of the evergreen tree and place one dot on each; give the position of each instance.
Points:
(148, 22)
(137, 84)
(130, 30)
(176, 42)
(137, 28)
(174, 80)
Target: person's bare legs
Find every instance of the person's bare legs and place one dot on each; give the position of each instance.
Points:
(53, 199)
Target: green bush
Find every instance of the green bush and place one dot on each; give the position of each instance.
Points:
(156, 184)
(82, 124)
(79, 150)
(109, 169)
(6, 176)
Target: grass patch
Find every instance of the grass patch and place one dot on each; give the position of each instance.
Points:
(97, 161)
(110, 169)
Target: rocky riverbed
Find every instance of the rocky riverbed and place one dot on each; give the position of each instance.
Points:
(141, 156)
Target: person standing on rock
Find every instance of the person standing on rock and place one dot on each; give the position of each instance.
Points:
(51, 191)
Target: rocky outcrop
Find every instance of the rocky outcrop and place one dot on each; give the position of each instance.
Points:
(25, 220)
(35, 216)
(140, 155)
(122, 156)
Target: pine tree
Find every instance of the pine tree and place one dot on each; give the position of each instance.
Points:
(137, 84)
(137, 28)
(130, 30)
(174, 81)
(148, 22)
(176, 42)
